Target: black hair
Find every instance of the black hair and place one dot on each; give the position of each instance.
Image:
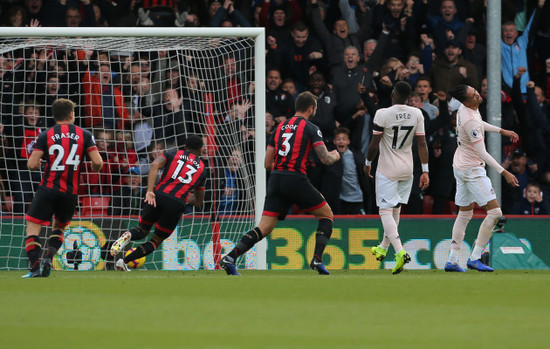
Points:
(459, 93)
(402, 90)
(194, 142)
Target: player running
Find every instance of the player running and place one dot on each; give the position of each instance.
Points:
(286, 157)
(63, 147)
(184, 171)
(472, 183)
(393, 132)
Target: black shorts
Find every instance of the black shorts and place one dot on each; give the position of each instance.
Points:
(46, 204)
(283, 190)
(165, 216)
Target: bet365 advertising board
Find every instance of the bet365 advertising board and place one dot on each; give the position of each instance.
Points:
(290, 245)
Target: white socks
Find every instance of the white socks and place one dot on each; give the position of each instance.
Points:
(390, 229)
(459, 230)
(396, 213)
(485, 232)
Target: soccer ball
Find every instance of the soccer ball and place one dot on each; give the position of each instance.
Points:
(136, 263)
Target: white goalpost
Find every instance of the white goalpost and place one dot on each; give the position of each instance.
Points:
(140, 91)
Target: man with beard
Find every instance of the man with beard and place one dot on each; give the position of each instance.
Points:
(286, 157)
(450, 69)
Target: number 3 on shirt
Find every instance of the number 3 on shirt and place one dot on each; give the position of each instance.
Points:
(286, 144)
(189, 173)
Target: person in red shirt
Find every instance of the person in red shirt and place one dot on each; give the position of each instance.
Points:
(184, 174)
(63, 149)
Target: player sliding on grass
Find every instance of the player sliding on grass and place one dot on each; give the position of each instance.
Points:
(63, 147)
(393, 132)
(184, 172)
(286, 157)
(472, 183)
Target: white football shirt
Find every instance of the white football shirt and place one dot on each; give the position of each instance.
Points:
(469, 131)
(399, 124)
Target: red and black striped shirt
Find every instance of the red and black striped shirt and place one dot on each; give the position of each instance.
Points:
(147, 4)
(65, 147)
(183, 172)
(293, 141)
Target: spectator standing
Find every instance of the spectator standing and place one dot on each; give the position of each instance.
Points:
(333, 43)
(325, 117)
(228, 15)
(298, 56)
(451, 70)
(350, 111)
(514, 49)
(231, 184)
(25, 130)
(103, 103)
(344, 184)
(278, 102)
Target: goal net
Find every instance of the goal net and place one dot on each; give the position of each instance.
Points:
(141, 92)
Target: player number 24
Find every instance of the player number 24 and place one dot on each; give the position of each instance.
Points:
(72, 159)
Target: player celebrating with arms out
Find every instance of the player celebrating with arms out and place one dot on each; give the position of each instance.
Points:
(62, 146)
(392, 135)
(184, 171)
(286, 157)
(472, 183)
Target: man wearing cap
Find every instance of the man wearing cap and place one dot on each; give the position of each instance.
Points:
(451, 69)
(525, 171)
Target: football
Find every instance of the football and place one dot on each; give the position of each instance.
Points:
(137, 263)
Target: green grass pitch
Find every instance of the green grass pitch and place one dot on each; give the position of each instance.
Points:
(275, 309)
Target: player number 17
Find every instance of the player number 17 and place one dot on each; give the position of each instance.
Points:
(396, 130)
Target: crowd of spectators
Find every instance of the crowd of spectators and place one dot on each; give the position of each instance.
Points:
(349, 53)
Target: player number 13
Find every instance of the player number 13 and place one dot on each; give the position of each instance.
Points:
(188, 174)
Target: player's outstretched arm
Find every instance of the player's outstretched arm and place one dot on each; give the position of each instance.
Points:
(510, 134)
(97, 161)
(424, 159)
(372, 152)
(485, 156)
(33, 163)
(326, 157)
(506, 133)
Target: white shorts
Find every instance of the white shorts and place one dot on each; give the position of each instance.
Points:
(390, 193)
(473, 185)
